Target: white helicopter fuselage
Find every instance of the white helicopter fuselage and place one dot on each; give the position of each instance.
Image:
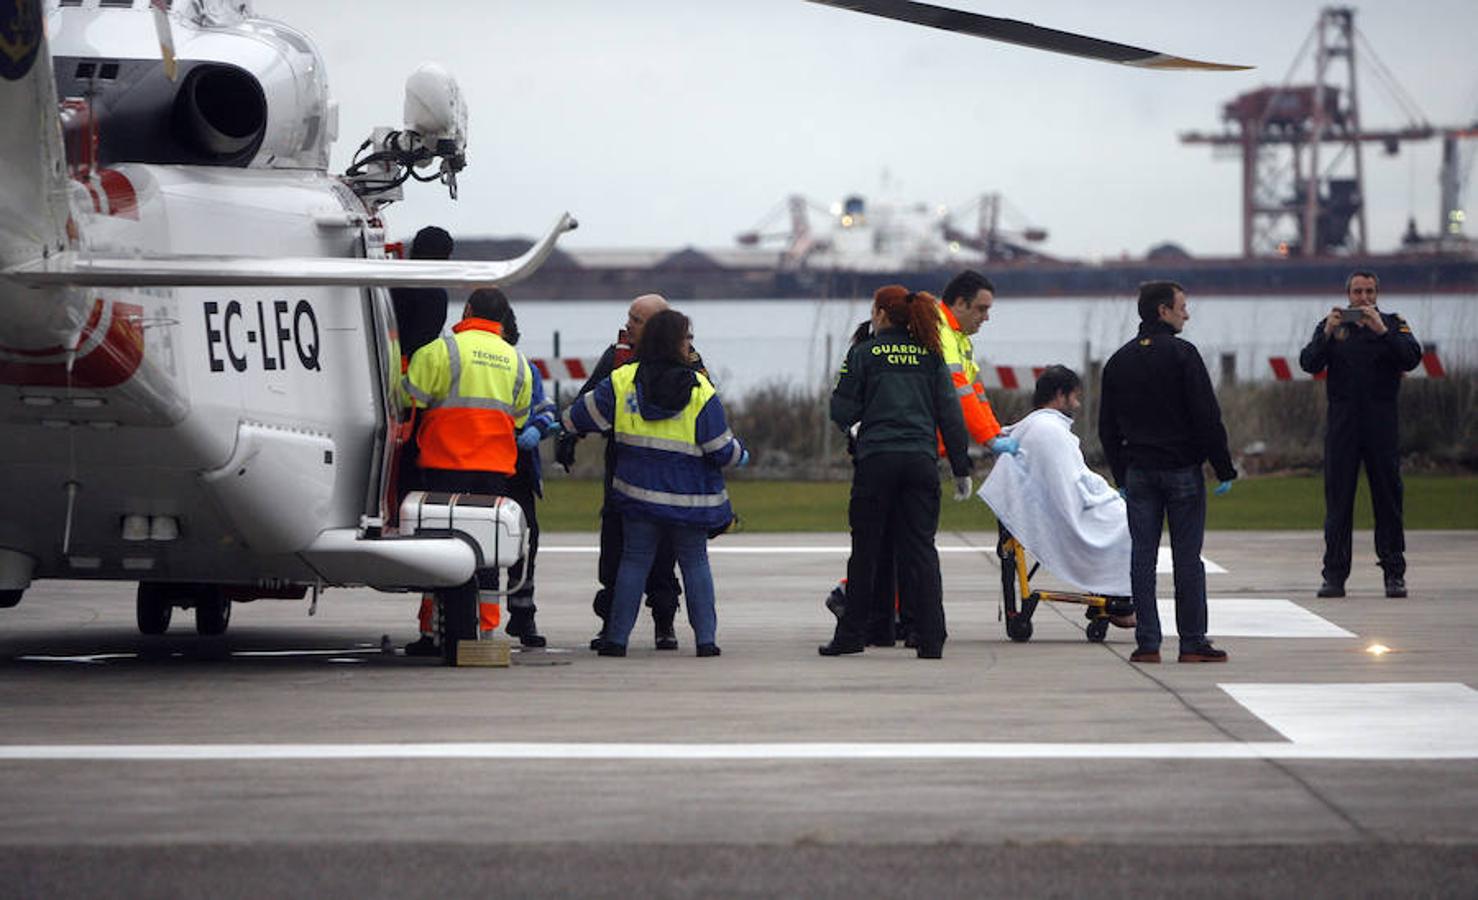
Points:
(199, 369)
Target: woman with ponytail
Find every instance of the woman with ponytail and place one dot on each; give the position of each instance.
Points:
(896, 387)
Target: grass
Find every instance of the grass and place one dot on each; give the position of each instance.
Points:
(1269, 503)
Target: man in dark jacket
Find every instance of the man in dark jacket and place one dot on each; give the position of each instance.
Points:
(662, 586)
(1159, 421)
(1365, 352)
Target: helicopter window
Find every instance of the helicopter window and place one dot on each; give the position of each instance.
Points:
(71, 2)
(86, 70)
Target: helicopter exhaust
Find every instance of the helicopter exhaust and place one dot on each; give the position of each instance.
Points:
(221, 113)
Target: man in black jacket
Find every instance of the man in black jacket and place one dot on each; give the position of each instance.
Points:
(1365, 352)
(663, 588)
(1159, 421)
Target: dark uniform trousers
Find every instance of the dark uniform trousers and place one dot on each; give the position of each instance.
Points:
(520, 489)
(1367, 435)
(894, 495)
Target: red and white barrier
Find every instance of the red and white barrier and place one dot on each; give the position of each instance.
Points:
(1283, 370)
(1011, 378)
(565, 367)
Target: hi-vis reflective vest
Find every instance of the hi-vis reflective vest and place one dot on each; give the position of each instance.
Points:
(475, 389)
(959, 355)
(667, 468)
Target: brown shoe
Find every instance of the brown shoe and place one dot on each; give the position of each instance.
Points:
(1123, 621)
(1205, 653)
(1145, 656)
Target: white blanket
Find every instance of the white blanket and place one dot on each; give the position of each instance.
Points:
(1064, 513)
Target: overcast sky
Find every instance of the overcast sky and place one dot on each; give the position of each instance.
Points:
(664, 123)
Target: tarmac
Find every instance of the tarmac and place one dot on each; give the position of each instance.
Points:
(294, 757)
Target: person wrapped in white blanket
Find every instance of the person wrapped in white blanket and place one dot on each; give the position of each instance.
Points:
(1064, 513)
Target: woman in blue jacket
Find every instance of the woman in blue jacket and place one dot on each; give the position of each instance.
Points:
(672, 442)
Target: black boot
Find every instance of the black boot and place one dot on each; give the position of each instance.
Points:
(521, 625)
(663, 620)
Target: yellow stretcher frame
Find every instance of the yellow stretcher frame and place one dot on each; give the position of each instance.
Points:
(1016, 576)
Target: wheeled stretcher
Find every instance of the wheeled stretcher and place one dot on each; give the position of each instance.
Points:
(1020, 600)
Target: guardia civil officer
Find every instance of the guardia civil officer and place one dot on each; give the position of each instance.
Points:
(1364, 352)
(897, 386)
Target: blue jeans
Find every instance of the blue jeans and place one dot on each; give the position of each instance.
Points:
(1153, 496)
(642, 537)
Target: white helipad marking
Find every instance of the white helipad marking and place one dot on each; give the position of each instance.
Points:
(1436, 719)
(1378, 722)
(1162, 565)
(1256, 617)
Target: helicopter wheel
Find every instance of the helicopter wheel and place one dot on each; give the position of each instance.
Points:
(155, 606)
(456, 618)
(1097, 630)
(212, 612)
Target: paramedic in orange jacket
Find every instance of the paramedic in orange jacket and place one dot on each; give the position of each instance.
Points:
(475, 390)
(964, 307)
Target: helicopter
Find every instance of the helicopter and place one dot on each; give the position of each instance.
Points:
(199, 361)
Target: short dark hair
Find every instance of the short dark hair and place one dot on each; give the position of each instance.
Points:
(1361, 273)
(1155, 294)
(488, 303)
(1054, 380)
(431, 243)
(965, 286)
(664, 338)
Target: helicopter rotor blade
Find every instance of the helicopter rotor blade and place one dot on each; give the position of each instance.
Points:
(1025, 34)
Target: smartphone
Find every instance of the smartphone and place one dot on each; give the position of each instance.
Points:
(1351, 314)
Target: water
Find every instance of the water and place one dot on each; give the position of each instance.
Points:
(749, 343)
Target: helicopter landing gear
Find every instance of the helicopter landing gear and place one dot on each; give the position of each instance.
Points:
(212, 611)
(155, 606)
(456, 618)
(157, 602)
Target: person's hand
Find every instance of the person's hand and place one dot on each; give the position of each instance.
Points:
(528, 439)
(1003, 444)
(1222, 489)
(564, 450)
(743, 458)
(962, 487)
(1370, 318)
(1333, 321)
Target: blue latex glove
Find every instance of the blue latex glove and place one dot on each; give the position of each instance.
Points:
(528, 439)
(1123, 493)
(1222, 488)
(1004, 443)
(743, 458)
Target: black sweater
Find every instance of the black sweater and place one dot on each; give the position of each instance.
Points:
(1158, 409)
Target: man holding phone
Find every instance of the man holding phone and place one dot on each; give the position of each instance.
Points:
(1365, 351)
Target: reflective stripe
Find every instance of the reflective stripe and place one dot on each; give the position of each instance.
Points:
(956, 367)
(965, 391)
(454, 365)
(523, 367)
(658, 443)
(594, 411)
(718, 442)
(662, 498)
(416, 393)
(473, 403)
(736, 453)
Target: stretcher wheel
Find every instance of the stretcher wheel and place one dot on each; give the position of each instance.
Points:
(1097, 630)
(1018, 629)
